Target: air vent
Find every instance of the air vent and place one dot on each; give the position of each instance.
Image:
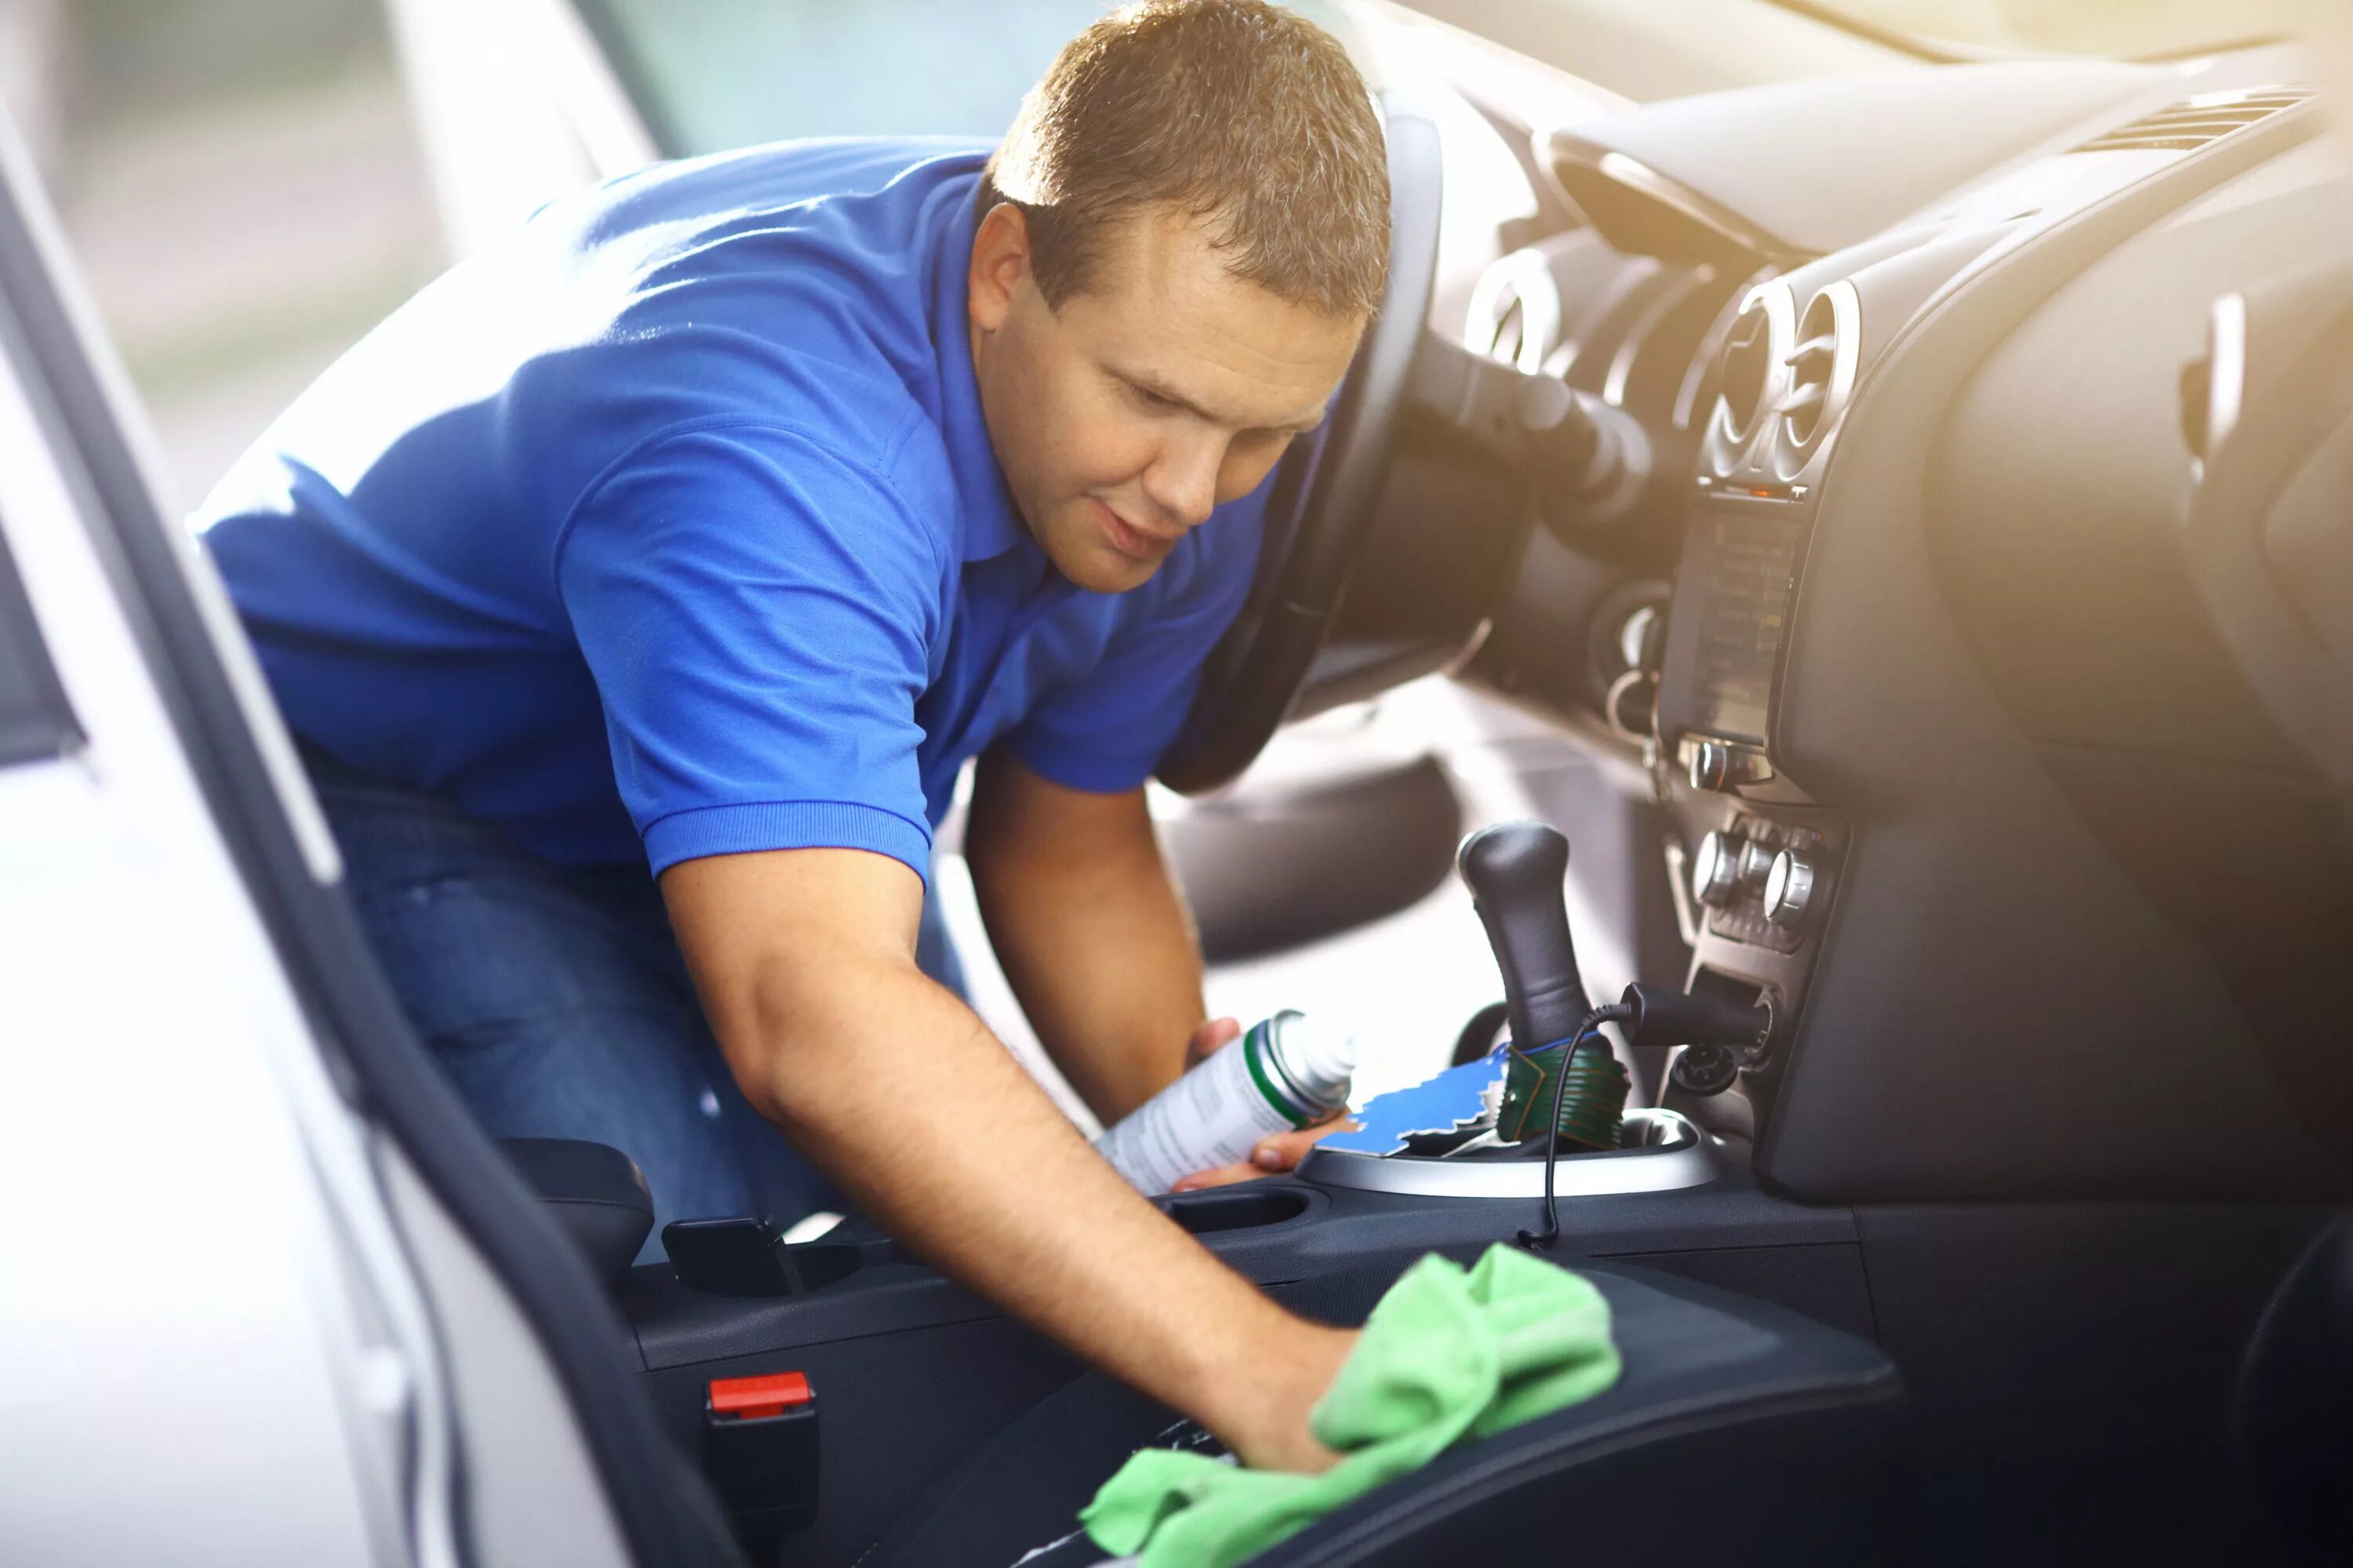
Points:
(1820, 376)
(1810, 366)
(1750, 370)
(1747, 365)
(1515, 313)
(2195, 121)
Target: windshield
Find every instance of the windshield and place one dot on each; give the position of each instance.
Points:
(954, 67)
(897, 67)
(825, 68)
(2119, 28)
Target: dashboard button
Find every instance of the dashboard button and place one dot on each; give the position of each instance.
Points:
(1716, 868)
(1789, 889)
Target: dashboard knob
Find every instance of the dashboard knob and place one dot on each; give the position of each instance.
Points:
(1720, 765)
(1789, 889)
(1632, 704)
(1756, 862)
(1716, 868)
(1637, 637)
(1711, 765)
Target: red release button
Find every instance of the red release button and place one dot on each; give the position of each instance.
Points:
(747, 1398)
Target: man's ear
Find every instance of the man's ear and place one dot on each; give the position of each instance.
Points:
(1000, 265)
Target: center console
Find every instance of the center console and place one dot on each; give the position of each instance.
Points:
(1691, 1254)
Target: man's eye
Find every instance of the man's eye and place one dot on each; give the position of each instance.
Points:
(1153, 401)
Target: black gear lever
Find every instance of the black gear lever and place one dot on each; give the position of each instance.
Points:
(1515, 871)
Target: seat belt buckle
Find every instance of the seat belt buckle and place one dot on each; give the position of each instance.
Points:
(759, 1448)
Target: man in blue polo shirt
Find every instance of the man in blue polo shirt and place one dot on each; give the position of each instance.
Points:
(707, 530)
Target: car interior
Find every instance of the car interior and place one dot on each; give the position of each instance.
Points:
(1923, 493)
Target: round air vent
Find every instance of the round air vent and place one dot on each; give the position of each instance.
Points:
(1747, 364)
(1810, 371)
(1514, 311)
(1750, 366)
(1821, 369)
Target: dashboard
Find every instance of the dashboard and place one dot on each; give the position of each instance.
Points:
(1971, 774)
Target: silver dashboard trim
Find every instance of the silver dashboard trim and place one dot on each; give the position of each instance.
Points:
(2226, 383)
(1675, 1154)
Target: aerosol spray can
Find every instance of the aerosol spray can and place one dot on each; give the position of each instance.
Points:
(1282, 1074)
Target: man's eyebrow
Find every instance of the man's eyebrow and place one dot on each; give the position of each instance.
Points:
(1161, 390)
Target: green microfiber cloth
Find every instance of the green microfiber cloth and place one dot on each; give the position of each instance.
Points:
(1446, 1354)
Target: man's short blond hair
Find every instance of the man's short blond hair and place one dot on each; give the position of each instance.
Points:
(1240, 112)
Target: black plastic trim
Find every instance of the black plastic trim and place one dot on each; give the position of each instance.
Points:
(36, 722)
(663, 1514)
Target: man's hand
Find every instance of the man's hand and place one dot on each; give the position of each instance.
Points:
(1274, 1155)
(1277, 1436)
(1212, 1037)
(805, 961)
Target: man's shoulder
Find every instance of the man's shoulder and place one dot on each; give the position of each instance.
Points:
(787, 292)
(877, 448)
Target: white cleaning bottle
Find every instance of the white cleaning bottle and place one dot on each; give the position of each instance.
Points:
(1283, 1073)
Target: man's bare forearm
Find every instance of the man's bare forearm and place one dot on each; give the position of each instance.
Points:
(1090, 930)
(897, 1091)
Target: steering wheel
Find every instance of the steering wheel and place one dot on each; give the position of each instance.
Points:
(1321, 502)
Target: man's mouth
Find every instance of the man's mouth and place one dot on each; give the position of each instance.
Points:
(1129, 540)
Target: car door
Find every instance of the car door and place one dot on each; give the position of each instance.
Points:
(265, 1298)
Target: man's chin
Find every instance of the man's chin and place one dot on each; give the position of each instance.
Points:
(1106, 570)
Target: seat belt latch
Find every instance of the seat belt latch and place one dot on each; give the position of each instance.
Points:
(759, 1448)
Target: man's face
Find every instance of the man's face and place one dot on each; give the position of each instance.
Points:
(1167, 387)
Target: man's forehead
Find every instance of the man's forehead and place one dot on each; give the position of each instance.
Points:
(1165, 313)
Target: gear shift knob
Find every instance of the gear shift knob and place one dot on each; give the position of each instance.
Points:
(1515, 871)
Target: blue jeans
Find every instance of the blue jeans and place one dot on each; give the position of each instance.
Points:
(558, 1003)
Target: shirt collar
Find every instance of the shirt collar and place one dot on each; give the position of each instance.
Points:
(992, 524)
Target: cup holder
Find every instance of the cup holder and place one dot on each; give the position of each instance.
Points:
(1241, 1208)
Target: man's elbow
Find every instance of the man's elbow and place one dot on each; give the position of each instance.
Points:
(790, 1032)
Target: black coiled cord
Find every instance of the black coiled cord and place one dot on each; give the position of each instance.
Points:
(1615, 1012)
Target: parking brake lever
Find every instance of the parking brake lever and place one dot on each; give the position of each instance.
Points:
(1515, 871)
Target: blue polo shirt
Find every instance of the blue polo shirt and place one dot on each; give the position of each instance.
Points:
(672, 529)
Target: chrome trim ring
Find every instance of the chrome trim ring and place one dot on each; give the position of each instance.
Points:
(1780, 308)
(1838, 390)
(1675, 1154)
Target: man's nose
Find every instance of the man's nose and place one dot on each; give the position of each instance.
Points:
(1183, 483)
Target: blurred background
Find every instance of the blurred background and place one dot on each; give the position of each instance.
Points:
(243, 185)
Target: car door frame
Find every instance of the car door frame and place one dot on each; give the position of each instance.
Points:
(449, 1241)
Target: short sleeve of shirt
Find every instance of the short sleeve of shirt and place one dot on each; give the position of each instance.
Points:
(757, 615)
(1106, 733)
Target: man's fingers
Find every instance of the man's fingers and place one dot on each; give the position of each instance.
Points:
(1209, 1038)
(1223, 1176)
(1280, 1152)
(1284, 1151)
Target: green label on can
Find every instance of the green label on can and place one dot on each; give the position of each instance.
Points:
(1266, 1072)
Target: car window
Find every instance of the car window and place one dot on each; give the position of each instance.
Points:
(895, 67)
